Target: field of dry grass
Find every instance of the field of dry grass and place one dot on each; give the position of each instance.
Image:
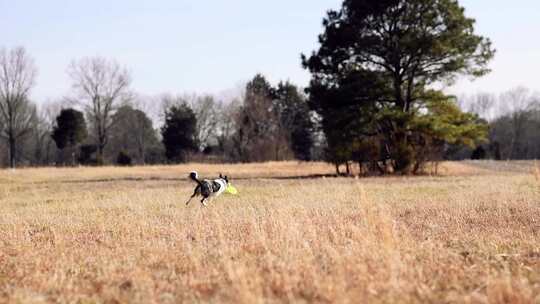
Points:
(124, 235)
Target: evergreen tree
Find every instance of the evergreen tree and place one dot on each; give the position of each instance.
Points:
(274, 123)
(377, 59)
(70, 129)
(295, 119)
(179, 133)
(132, 132)
(258, 137)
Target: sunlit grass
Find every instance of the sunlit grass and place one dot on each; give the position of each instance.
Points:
(108, 235)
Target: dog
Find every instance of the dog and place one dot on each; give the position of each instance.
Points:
(208, 188)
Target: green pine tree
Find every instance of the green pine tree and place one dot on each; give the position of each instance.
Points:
(377, 60)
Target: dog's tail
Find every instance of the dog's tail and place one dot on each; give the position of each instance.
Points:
(195, 177)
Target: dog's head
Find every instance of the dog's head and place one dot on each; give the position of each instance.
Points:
(225, 178)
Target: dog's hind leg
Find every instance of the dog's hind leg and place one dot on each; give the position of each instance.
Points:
(195, 192)
(203, 202)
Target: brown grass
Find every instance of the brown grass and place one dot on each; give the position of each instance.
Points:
(112, 235)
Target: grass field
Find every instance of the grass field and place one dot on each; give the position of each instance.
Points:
(124, 235)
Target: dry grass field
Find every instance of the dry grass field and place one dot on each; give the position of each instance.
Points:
(124, 235)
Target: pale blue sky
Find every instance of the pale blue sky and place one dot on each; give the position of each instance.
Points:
(180, 46)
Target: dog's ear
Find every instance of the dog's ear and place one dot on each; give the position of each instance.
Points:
(226, 178)
(220, 176)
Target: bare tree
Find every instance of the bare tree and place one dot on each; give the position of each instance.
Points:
(150, 105)
(206, 110)
(516, 100)
(48, 112)
(517, 103)
(258, 136)
(100, 85)
(165, 102)
(226, 117)
(482, 104)
(17, 77)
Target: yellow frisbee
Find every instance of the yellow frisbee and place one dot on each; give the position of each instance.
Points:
(232, 190)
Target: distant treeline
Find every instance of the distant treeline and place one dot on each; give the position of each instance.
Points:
(102, 121)
(372, 102)
(514, 125)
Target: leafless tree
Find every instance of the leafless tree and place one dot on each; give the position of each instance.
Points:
(226, 117)
(517, 103)
(38, 144)
(17, 77)
(48, 113)
(165, 102)
(151, 105)
(100, 85)
(206, 110)
(482, 104)
(259, 135)
(516, 100)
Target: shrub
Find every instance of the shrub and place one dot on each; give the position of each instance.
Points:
(86, 156)
(123, 159)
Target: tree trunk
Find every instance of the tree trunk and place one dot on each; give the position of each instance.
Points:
(99, 156)
(404, 154)
(101, 148)
(143, 156)
(362, 169)
(142, 150)
(47, 153)
(73, 154)
(382, 170)
(12, 151)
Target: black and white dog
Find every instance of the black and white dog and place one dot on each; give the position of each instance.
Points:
(208, 188)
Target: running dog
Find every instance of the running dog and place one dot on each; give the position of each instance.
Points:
(208, 188)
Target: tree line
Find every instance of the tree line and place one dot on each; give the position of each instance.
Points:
(372, 105)
(513, 118)
(102, 121)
